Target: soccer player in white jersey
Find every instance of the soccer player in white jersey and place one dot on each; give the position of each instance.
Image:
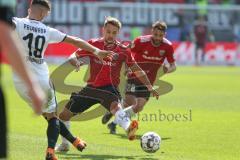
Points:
(35, 37)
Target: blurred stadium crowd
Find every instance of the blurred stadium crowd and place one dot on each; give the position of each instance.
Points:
(170, 1)
(222, 20)
(216, 23)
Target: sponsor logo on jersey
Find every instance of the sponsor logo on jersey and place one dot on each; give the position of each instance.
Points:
(162, 52)
(104, 63)
(152, 58)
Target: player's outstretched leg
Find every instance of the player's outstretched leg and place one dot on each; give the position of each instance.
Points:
(124, 121)
(52, 134)
(65, 145)
(112, 125)
(78, 143)
(130, 112)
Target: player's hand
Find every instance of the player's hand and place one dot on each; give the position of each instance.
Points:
(109, 55)
(38, 99)
(170, 68)
(165, 69)
(77, 65)
(153, 91)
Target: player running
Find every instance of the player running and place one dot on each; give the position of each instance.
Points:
(35, 37)
(150, 52)
(102, 86)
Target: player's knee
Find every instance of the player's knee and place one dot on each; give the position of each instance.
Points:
(138, 108)
(114, 107)
(129, 103)
(64, 116)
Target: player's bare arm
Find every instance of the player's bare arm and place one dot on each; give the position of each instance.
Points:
(141, 75)
(78, 42)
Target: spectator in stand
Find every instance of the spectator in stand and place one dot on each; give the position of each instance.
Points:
(200, 37)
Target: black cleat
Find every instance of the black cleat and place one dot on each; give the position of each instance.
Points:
(106, 118)
(112, 128)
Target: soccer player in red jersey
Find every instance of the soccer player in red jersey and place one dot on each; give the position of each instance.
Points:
(102, 86)
(150, 52)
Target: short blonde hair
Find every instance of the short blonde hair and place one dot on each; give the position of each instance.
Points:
(160, 25)
(113, 21)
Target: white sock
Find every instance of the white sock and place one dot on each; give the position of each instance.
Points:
(122, 119)
(129, 111)
(64, 140)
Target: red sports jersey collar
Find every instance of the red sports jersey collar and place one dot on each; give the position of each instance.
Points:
(154, 45)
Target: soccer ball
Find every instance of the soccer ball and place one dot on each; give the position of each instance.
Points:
(150, 142)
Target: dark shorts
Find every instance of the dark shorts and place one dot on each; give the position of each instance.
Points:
(3, 128)
(89, 96)
(137, 90)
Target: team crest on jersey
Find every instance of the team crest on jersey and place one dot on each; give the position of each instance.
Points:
(162, 52)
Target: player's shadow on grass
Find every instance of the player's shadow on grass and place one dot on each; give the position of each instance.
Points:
(124, 136)
(104, 157)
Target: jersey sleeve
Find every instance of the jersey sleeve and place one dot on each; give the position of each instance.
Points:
(129, 58)
(55, 36)
(135, 46)
(169, 55)
(15, 22)
(82, 53)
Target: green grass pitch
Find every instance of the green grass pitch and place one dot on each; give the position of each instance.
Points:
(213, 132)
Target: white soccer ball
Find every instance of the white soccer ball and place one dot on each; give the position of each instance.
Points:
(150, 142)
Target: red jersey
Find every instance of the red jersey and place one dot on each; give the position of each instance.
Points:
(107, 73)
(150, 57)
(201, 33)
